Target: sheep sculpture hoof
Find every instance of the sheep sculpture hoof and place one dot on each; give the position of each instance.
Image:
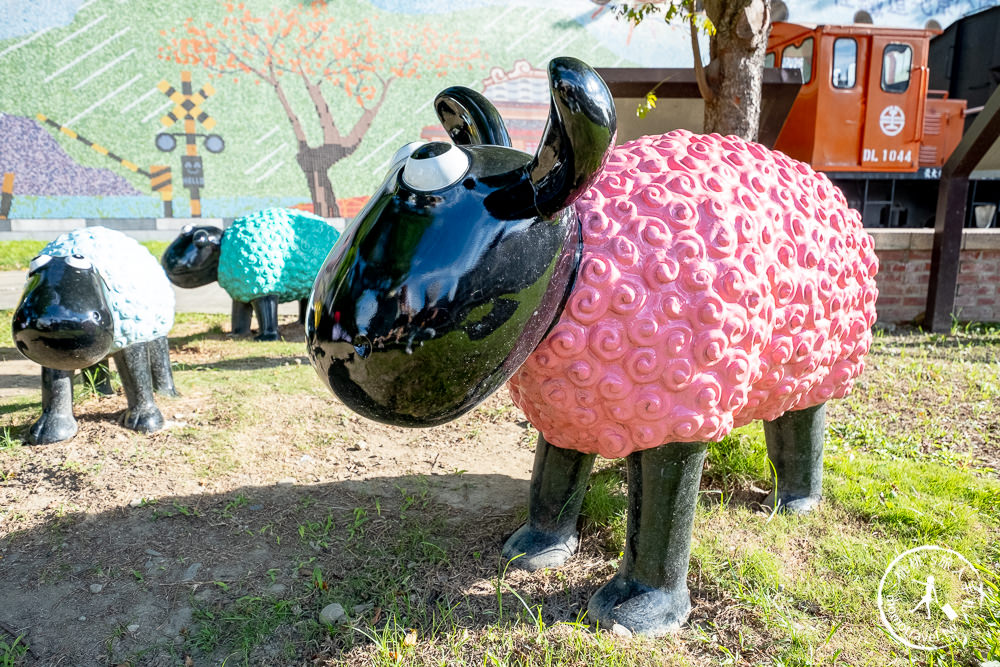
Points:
(640, 301)
(558, 484)
(56, 422)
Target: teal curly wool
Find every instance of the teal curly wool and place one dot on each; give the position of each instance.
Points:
(274, 251)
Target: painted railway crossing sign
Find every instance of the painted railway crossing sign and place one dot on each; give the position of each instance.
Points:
(188, 104)
(187, 108)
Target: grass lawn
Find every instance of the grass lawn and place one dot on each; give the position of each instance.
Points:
(15, 255)
(221, 539)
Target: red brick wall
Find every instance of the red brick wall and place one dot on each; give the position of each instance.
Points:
(904, 273)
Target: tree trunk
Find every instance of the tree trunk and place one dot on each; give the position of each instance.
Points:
(737, 64)
(321, 189)
(315, 163)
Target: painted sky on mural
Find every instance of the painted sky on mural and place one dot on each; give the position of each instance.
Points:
(24, 17)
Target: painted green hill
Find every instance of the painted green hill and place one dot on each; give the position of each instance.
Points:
(99, 78)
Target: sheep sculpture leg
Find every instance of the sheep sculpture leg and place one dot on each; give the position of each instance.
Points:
(134, 369)
(558, 484)
(159, 366)
(649, 593)
(242, 314)
(795, 448)
(57, 422)
(266, 310)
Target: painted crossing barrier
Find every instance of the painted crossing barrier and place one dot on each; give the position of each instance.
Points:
(6, 194)
(160, 179)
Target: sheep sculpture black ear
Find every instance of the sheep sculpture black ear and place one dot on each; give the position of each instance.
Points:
(469, 118)
(577, 137)
(462, 260)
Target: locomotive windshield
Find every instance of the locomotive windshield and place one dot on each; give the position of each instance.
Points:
(845, 62)
(800, 57)
(896, 61)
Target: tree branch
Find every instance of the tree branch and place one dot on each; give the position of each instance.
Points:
(331, 135)
(297, 129)
(358, 131)
(699, 71)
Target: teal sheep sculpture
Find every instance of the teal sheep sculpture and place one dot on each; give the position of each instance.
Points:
(268, 257)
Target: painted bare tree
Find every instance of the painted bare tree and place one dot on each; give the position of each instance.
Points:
(341, 65)
(731, 84)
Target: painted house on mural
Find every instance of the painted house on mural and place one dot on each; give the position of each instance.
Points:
(522, 98)
(137, 111)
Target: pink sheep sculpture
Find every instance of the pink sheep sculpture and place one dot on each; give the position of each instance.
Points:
(721, 282)
(711, 282)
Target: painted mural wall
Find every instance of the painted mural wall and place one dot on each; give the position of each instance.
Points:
(179, 108)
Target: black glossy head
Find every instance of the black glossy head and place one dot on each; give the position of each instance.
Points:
(460, 264)
(192, 259)
(63, 320)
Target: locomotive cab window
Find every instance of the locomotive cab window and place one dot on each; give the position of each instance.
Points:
(845, 62)
(896, 61)
(769, 59)
(800, 57)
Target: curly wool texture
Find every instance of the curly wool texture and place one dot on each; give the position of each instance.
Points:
(139, 294)
(721, 282)
(274, 251)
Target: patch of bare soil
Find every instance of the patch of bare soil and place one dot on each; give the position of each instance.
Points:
(114, 545)
(18, 376)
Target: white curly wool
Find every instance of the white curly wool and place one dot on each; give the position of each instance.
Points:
(139, 294)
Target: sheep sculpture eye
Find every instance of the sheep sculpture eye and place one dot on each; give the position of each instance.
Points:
(435, 166)
(79, 262)
(38, 263)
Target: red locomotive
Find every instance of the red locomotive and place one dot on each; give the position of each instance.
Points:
(867, 115)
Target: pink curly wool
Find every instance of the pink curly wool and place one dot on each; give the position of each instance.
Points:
(721, 282)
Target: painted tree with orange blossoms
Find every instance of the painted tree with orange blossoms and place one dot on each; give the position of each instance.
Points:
(338, 63)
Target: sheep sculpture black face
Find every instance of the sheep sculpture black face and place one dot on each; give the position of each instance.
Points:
(93, 294)
(642, 302)
(422, 311)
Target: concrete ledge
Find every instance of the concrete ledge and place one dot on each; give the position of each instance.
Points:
(893, 239)
(981, 239)
(177, 224)
(142, 229)
(60, 225)
(923, 239)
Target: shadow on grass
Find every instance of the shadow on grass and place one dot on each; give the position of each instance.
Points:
(241, 363)
(204, 574)
(12, 406)
(291, 332)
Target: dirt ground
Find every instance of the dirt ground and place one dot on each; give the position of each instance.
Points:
(111, 540)
(219, 540)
